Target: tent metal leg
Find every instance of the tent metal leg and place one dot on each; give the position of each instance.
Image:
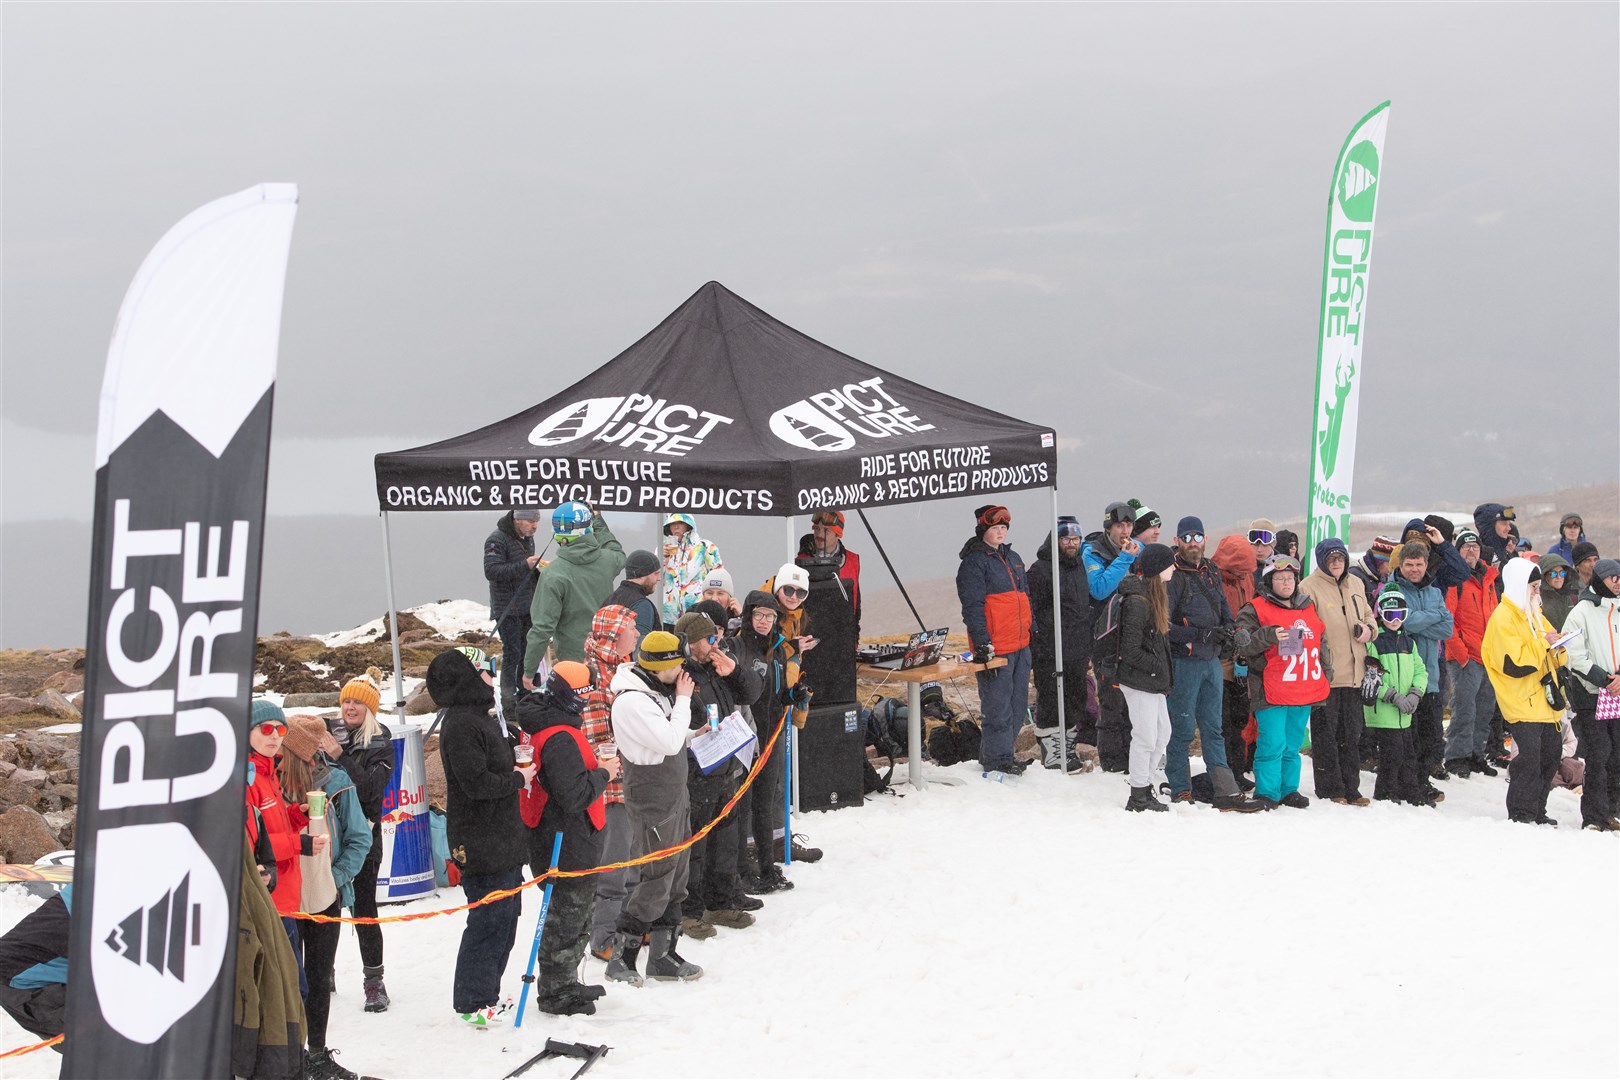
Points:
(1057, 634)
(393, 617)
(793, 732)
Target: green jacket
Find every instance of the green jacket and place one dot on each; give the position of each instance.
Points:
(267, 1027)
(1404, 673)
(569, 592)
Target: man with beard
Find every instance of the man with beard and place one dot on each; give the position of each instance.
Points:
(509, 566)
(1201, 627)
(1107, 557)
(824, 545)
(714, 893)
(1076, 608)
(641, 572)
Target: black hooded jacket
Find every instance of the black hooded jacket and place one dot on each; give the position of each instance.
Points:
(1076, 601)
(766, 658)
(483, 825)
(1485, 525)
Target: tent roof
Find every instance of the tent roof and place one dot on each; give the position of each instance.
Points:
(723, 409)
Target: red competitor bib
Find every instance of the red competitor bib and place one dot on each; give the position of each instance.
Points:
(1296, 679)
(533, 798)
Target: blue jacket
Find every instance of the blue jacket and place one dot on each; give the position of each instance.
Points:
(1106, 566)
(994, 591)
(351, 832)
(1428, 620)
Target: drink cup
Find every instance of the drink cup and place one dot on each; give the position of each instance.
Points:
(524, 752)
(317, 803)
(607, 751)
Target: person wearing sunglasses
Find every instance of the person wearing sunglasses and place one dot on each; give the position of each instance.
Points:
(1337, 723)
(1107, 558)
(1528, 671)
(994, 592)
(790, 585)
(1559, 590)
(1393, 681)
(1594, 656)
(572, 587)
(714, 892)
(1290, 669)
(762, 647)
(1202, 627)
(1473, 701)
(282, 822)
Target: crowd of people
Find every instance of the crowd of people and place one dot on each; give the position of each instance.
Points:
(573, 752)
(1366, 657)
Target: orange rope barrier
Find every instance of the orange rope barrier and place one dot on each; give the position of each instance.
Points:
(21, 1050)
(503, 894)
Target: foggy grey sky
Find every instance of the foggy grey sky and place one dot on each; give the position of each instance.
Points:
(1104, 218)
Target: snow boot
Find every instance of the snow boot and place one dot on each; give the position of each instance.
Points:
(564, 1003)
(1142, 799)
(697, 928)
(622, 968)
(1237, 804)
(663, 962)
(318, 1065)
(1479, 764)
(1050, 740)
(376, 992)
(802, 851)
(1460, 767)
(731, 918)
(1294, 800)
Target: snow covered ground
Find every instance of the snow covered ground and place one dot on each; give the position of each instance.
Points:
(1036, 929)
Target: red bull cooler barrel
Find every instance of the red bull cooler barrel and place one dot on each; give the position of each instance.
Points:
(407, 836)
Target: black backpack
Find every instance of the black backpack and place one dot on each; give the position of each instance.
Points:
(1105, 636)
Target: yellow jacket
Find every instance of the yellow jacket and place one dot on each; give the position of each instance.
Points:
(1516, 654)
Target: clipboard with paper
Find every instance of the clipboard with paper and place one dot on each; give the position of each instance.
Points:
(713, 747)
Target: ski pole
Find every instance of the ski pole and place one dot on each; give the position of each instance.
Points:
(787, 788)
(539, 928)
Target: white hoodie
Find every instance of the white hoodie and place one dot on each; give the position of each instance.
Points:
(646, 726)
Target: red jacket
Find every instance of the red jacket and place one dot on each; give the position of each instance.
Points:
(284, 823)
(1471, 604)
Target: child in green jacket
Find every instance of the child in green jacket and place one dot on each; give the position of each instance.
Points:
(1394, 684)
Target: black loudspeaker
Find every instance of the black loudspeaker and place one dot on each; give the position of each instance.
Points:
(832, 747)
(830, 666)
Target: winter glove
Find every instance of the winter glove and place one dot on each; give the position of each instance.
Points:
(802, 695)
(1407, 703)
(1208, 635)
(1388, 694)
(1369, 686)
(983, 654)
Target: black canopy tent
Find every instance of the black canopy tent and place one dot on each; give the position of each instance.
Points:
(723, 409)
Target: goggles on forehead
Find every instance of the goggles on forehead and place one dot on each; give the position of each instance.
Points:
(996, 515)
(1262, 536)
(828, 520)
(272, 727)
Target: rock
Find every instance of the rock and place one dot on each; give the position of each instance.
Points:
(68, 793)
(37, 750)
(59, 776)
(56, 704)
(25, 835)
(7, 768)
(8, 750)
(31, 777)
(407, 621)
(63, 823)
(78, 702)
(419, 703)
(65, 682)
(11, 706)
(410, 636)
(328, 700)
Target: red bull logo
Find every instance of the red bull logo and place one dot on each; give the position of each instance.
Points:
(407, 837)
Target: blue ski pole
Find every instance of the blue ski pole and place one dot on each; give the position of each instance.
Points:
(539, 928)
